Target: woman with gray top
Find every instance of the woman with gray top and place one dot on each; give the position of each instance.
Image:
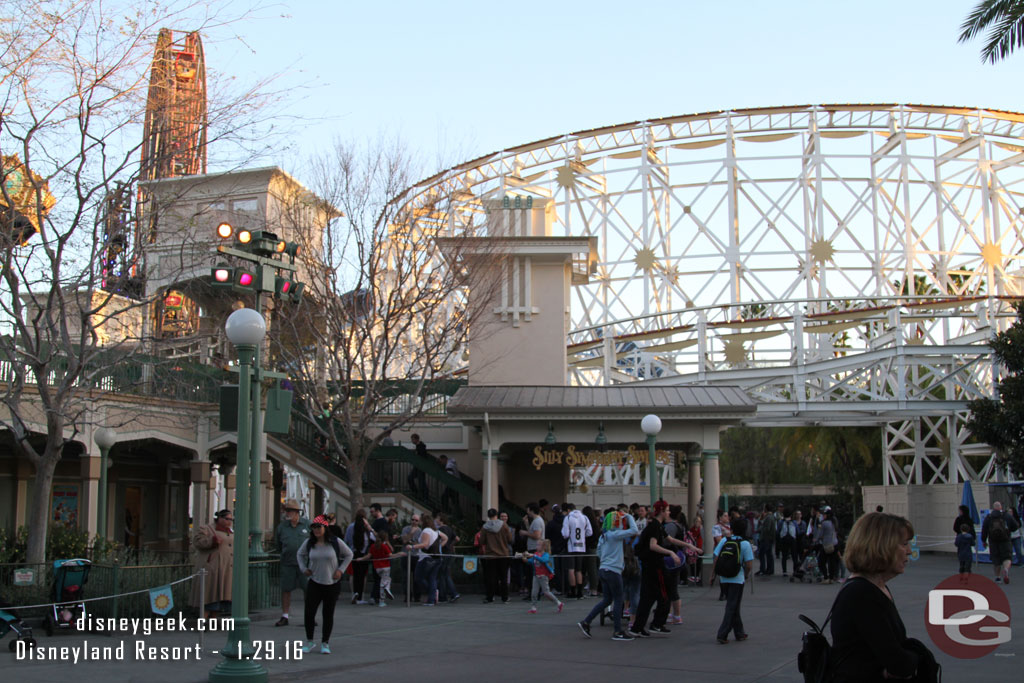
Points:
(323, 558)
(827, 536)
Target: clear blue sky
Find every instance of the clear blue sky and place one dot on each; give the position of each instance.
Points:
(472, 77)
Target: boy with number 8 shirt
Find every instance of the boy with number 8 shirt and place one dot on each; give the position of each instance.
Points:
(576, 529)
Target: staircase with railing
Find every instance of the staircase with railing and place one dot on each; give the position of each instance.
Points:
(388, 471)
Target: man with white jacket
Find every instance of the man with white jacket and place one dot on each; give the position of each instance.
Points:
(618, 527)
(575, 529)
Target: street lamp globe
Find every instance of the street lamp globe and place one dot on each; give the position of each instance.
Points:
(246, 327)
(105, 437)
(651, 425)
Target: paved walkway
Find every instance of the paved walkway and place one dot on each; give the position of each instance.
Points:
(472, 641)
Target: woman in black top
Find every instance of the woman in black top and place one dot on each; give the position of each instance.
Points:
(964, 518)
(868, 635)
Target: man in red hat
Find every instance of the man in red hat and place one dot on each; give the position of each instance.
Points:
(653, 588)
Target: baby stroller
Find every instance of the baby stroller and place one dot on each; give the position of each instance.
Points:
(11, 622)
(808, 570)
(69, 577)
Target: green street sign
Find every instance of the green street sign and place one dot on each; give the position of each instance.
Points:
(279, 411)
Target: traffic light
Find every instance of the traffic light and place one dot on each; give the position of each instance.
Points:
(289, 290)
(236, 278)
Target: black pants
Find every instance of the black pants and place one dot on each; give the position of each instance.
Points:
(317, 593)
(732, 621)
(785, 549)
(653, 593)
(359, 570)
(495, 577)
(829, 564)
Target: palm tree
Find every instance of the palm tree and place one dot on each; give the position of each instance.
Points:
(1004, 20)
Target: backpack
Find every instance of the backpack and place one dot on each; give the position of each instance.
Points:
(814, 660)
(728, 563)
(998, 533)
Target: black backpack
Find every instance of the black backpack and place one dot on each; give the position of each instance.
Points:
(728, 563)
(998, 532)
(815, 658)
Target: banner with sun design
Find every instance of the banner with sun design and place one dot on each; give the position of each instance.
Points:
(161, 600)
(469, 564)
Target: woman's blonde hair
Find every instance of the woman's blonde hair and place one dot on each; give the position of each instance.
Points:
(543, 545)
(873, 546)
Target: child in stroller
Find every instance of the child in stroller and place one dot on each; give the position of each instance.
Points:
(69, 578)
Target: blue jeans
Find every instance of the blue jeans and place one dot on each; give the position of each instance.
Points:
(631, 592)
(444, 579)
(1019, 557)
(426, 576)
(611, 594)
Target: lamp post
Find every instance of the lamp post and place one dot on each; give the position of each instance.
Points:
(246, 329)
(105, 438)
(651, 425)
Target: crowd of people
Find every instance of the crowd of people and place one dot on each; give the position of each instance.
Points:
(634, 558)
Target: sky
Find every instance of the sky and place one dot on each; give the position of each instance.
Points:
(455, 80)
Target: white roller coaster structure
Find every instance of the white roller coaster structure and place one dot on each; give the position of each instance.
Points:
(846, 264)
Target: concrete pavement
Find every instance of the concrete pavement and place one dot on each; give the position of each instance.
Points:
(471, 640)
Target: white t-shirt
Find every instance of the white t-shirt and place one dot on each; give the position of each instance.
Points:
(427, 536)
(576, 528)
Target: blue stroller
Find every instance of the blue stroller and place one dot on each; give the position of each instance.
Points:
(11, 622)
(69, 577)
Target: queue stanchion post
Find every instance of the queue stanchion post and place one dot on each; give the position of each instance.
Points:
(202, 605)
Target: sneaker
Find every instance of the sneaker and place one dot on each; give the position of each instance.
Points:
(532, 610)
(639, 634)
(743, 637)
(622, 635)
(325, 649)
(454, 599)
(381, 603)
(723, 641)
(504, 601)
(391, 596)
(308, 647)
(429, 604)
(998, 579)
(560, 606)
(660, 629)
(675, 620)
(585, 627)
(283, 621)
(362, 602)
(1006, 576)
(488, 601)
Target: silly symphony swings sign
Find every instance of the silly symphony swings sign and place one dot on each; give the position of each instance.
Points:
(579, 458)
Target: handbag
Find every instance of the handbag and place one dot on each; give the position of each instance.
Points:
(829, 548)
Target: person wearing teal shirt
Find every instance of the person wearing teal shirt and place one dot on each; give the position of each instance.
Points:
(733, 585)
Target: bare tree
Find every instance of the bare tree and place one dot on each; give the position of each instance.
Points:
(385, 318)
(73, 89)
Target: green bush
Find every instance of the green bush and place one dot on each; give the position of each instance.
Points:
(62, 542)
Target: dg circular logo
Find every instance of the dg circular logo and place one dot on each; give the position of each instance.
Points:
(967, 616)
